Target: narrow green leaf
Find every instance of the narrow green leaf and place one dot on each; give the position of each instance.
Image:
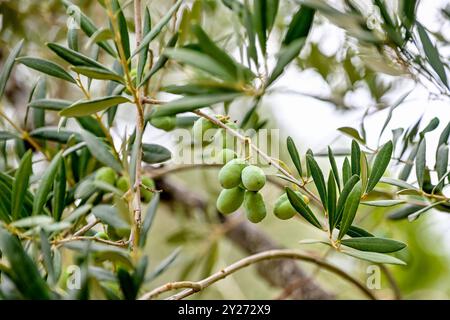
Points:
(54, 134)
(357, 232)
(418, 213)
(380, 165)
(20, 184)
(302, 208)
(374, 244)
(47, 67)
(355, 158)
(155, 153)
(59, 192)
(441, 165)
(259, 21)
(346, 171)
(24, 272)
(100, 151)
(50, 104)
(293, 152)
(200, 61)
(148, 220)
(397, 183)
(348, 187)
(444, 137)
(46, 183)
(88, 107)
(98, 73)
(383, 203)
(161, 62)
(164, 265)
(110, 216)
(352, 133)
(8, 65)
(47, 257)
(123, 28)
(271, 13)
(74, 57)
(143, 55)
(374, 257)
(334, 168)
(86, 24)
(72, 38)
(350, 209)
(157, 28)
(332, 197)
(431, 126)
(432, 54)
(421, 162)
(318, 178)
(5, 135)
(300, 25)
(404, 212)
(187, 104)
(364, 174)
(285, 56)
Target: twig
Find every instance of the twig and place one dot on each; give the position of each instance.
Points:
(120, 243)
(267, 255)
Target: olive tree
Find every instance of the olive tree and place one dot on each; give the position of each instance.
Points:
(98, 192)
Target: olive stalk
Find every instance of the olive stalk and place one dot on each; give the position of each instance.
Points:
(193, 287)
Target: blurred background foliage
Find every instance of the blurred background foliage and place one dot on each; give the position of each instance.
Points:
(197, 230)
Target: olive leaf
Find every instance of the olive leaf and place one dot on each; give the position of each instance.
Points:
(374, 257)
(285, 56)
(383, 203)
(47, 67)
(374, 244)
(350, 208)
(331, 201)
(123, 28)
(110, 216)
(157, 28)
(187, 104)
(155, 153)
(98, 73)
(49, 104)
(352, 133)
(20, 184)
(46, 183)
(302, 208)
(86, 24)
(100, 151)
(348, 187)
(74, 57)
(420, 162)
(88, 107)
(148, 220)
(432, 54)
(318, 178)
(59, 192)
(293, 152)
(143, 55)
(380, 164)
(334, 168)
(346, 171)
(355, 158)
(8, 65)
(300, 25)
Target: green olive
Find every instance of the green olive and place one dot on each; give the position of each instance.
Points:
(255, 209)
(101, 235)
(201, 131)
(283, 208)
(123, 184)
(164, 123)
(230, 200)
(253, 178)
(225, 156)
(107, 175)
(230, 174)
(147, 195)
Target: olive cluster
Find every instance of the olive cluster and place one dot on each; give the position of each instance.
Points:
(109, 176)
(241, 183)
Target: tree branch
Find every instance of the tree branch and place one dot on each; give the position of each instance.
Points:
(194, 287)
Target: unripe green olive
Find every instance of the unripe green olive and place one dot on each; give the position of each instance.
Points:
(164, 123)
(230, 200)
(123, 184)
(107, 175)
(254, 206)
(225, 156)
(147, 195)
(230, 174)
(283, 208)
(199, 130)
(253, 178)
(101, 235)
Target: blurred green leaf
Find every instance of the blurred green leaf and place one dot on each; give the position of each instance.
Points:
(49, 104)
(285, 56)
(110, 216)
(47, 67)
(155, 153)
(87, 107)
(421, 162)
(98, 73)
(148, 220)
(8, 65)
(352, 133)
(300, 25)
(100, 151)
(374, 244)
(123, 28)
(143, 55)
(373, 257)
(20, 185)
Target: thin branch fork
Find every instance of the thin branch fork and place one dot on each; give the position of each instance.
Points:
(193, 287)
